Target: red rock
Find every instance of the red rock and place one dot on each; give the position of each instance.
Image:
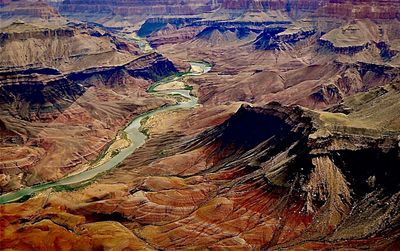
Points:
(27, 9)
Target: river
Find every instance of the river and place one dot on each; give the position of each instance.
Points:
(132, 130)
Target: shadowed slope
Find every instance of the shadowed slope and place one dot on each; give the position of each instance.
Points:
(266, 178)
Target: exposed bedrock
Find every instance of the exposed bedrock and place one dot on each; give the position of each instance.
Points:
(272, 177)
(351, 79)
(315, 62)
(70, 47)
(383, 9)
(39, 105)
(224, 175)
(155, 24)
(267, 39)
(327, 165)
(27, 9)
(220, 35)
(41, 98)
(137, 7)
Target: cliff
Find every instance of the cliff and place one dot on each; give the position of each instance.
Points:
(68, 48)
(383, 9)
(350, 9)
(137, 7)
(271, 177)
(78, 73)
(27, 9)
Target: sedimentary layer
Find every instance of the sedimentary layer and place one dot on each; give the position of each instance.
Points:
(271, 177)
(27, 9)
(81, 83)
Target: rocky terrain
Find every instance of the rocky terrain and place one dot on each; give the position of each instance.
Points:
(294, 143)
(121, 12)
(25, 9)
(312, 61)
(267, 178)
(80, 83)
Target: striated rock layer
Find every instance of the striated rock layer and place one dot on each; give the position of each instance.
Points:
(27, 9)
(382, 9)
(129, 8)
(64, 101)
(66, 48)
(312, 62)
(267, 178)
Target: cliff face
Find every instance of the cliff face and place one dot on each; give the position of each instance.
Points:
(274, 54)
(27, 9)
(44, 97)
(91, 105)
(223, 175)
(67, 48)
(120, 14)
(81, 79)
(73, 101)
(383, 9)
(268, 5)
(138, 7)
(271, 177)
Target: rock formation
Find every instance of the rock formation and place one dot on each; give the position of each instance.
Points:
(72, 82)
(382, 9)
(94, 9)
(294, 143)
(267, 178)
(350, 9)
(27, 9)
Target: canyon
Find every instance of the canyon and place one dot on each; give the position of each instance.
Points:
(292, 142)
(81, 83)
(26, 9)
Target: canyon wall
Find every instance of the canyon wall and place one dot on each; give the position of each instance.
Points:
(268, 178)
(350, 9)
(81, 82)
(27, 9)
(382, 9)
(138, 7)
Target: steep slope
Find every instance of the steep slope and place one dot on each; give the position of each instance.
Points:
(316, 171)
(267, 178)
(27, 9)
(240, 10)
(315, 62)
(353, 9)
(132, 10)
(68, 48)
(65, 91)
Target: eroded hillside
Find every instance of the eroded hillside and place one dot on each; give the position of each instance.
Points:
(289, 139)
(65, 92)
(266, 178)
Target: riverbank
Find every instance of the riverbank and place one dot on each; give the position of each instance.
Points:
(113, 156)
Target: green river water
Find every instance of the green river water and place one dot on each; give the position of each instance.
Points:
(134, 134)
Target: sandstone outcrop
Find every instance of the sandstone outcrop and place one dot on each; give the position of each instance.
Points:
(96, 8)
(353, 9)
(27, 9)
(67, 48)
(315, 62)
(239, 9)
(294, 144)
(269, 177)
(81, 82)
